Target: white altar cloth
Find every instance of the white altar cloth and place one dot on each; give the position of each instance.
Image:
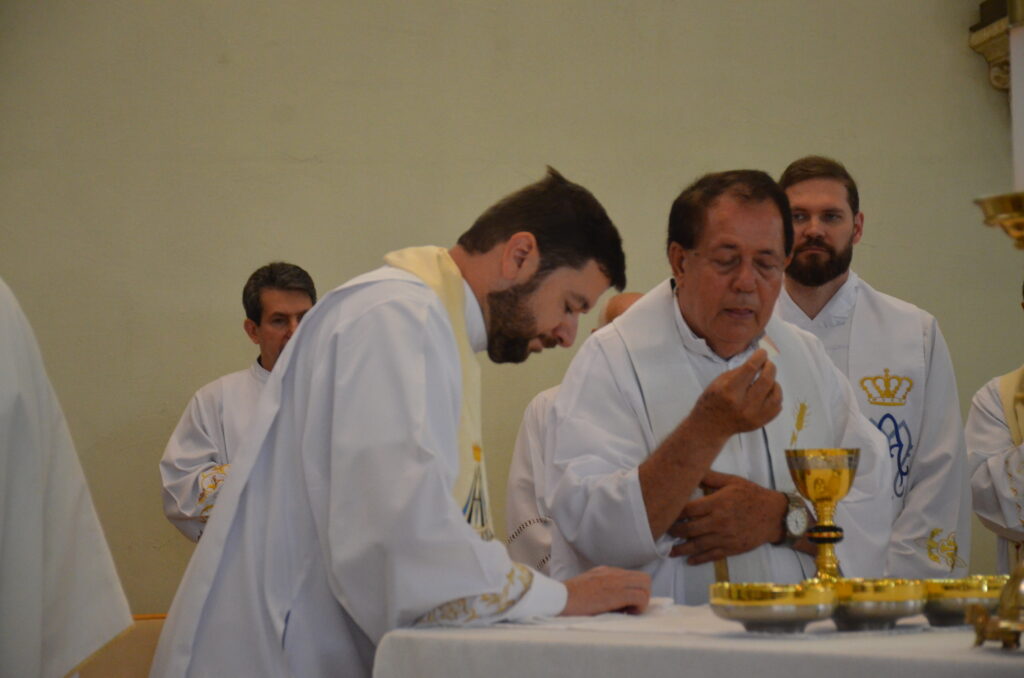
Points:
(687, 641)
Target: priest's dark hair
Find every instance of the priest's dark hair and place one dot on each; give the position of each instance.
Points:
(689, 212)
(570, 226)
(820, 167)
(276, 275)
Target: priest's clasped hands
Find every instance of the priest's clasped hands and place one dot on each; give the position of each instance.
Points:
(736, 517)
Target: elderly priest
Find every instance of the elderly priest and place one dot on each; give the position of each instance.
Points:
(698, 386)
(337, 522)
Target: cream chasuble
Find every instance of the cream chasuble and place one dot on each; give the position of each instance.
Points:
(337, 523)
(436, 268)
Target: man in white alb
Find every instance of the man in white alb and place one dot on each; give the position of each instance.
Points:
(995, 458)
(897, 362)
(60, 597)
(527, 518)
(203, 445)
(698, 386)
(337, 522)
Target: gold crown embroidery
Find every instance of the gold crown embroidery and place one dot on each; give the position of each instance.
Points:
(887, 390)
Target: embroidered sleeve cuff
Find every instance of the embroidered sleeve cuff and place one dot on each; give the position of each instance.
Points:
(526, 593)
(546, 598)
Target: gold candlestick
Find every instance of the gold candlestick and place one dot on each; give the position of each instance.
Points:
(823, 476)
(1007, 212)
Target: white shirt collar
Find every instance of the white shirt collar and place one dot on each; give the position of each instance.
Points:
(259, 372)
(838, 309)
(475, 327)
(694, 344)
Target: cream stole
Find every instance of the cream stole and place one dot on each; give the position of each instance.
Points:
(670, 389)
(436, 268)
(1011, 395)
(888, 373)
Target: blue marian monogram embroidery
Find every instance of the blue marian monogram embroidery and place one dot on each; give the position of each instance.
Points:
(900, 447)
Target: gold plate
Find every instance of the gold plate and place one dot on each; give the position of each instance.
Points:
(948, 599)
(873, 604)
(773, 608)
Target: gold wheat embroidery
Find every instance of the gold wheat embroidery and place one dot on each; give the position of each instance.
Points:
(799, 424)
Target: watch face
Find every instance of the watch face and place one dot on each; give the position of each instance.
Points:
(796, 522)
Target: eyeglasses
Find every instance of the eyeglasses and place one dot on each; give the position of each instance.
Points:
(768, 267)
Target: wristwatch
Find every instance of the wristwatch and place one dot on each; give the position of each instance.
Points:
(797, 519)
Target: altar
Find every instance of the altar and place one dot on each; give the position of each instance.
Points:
(672, 640)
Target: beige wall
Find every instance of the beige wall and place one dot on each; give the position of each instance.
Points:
(153, 154)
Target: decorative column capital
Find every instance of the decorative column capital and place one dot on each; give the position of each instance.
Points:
(992, 41)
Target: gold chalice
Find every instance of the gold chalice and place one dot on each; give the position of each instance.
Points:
(823, 476)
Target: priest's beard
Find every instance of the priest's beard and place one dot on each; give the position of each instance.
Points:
(512, 324)
(817, 271)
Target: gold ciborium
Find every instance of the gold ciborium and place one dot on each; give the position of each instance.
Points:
(823, 476)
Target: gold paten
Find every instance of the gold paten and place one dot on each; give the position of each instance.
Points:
(948, 599)
(823, 476)
(1007, 212)
(773, 608)
(874, 604)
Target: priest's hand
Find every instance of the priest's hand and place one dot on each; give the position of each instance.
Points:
(737, 516)
(743, 399)
(607, 589)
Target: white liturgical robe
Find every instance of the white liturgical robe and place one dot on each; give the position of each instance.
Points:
(631, 384)
(337, 521)
(60, 597)
(526, 515)
(997, 472)
(199, 453)
(899, 366)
